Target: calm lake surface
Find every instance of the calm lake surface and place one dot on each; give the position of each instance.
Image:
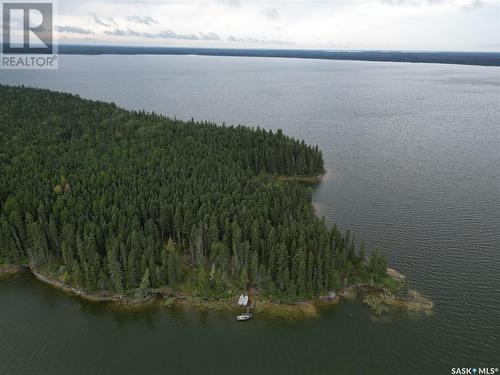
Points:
(413, 154)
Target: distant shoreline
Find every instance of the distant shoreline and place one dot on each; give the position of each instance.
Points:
(432, 57)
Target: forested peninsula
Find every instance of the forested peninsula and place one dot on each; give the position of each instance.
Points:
(129, 204)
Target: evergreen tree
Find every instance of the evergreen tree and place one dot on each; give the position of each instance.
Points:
(92, 192)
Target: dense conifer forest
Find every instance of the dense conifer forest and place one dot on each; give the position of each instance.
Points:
(106, 199)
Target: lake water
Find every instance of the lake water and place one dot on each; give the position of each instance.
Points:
(413, 154)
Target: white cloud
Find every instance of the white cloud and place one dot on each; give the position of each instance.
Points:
(73, 30)
(271, 13)
(148, 20)
(165, 34)
(108, 22)
(346, 24)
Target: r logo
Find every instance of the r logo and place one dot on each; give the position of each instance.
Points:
(27, 28)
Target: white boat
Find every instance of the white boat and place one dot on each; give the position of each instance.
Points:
(244, 316)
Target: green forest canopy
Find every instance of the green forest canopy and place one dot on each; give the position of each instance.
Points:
(113, 200)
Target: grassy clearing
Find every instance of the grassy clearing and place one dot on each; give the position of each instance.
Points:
(376, 302)
(300, 310)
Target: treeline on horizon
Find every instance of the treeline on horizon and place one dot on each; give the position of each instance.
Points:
(435, 57)
(131, 202)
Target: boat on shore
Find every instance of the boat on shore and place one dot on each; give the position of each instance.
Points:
(243, 317)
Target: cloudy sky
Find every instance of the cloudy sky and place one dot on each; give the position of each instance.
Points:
(472, 25)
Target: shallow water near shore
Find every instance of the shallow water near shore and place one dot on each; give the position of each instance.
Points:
(412, 152)
(71, 335)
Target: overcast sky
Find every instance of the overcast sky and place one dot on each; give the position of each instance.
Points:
(471, 25)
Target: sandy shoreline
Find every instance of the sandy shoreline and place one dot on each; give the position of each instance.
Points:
(102, 297)
(298, 310)
(301, 309)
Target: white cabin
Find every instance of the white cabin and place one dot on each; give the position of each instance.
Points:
(243, 300)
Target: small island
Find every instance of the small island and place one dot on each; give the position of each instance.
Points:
(129, 207)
